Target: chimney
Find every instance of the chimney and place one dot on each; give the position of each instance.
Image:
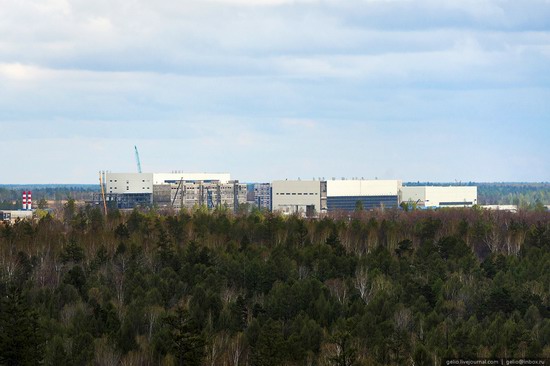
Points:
(29, 200)
(24, 200)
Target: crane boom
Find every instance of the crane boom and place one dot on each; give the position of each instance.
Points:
(137, 159)
(102, 192)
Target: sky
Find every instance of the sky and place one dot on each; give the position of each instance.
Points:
(423, 90)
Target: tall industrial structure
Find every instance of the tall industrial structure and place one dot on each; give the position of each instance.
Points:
(26, 211)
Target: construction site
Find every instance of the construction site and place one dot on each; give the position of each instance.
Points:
(174, 190)
(180, 190)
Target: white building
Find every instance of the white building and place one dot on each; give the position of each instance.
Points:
(128, 190)
(297, 196)
(436, 196)
(14, 215)
(128, 183)
(347, 195)
(311, 197)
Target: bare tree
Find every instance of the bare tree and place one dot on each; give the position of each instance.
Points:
(235, 350)
(153, 313)
(338, 289)
(362, 284)
(105, 353)
(216, 349)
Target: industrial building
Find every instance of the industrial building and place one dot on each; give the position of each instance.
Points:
(177, 190)
(128, 190)
(262, 196)
(437, 196)
(299, 196)
(319, 196)
(25, 213)
(14, 215)
(346, 195)
(307, 197)
(212, 194)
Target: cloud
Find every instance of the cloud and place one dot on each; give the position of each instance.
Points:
(20, 72)
(268, 80)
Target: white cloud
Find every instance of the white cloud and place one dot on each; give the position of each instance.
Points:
(19, 72)
(274, 77)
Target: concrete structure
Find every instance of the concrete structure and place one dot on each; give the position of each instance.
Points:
(175, 177)
(436, 196)
(297, 196)
(308, 197)
(29, 200)
(128, 183)
(314, 197)
(14, 215)
(25, 213)
(346, 195)
(129, 190)
(212, 194)
(262, 196)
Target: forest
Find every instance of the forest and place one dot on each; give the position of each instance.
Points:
(214, 288)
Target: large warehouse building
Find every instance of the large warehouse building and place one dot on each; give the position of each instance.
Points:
(346, 195)
(317, 196)
(437, 196)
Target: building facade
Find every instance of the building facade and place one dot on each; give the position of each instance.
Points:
(437, 196)
(262, 196)
(297, 197)
(129, 190)
(314, 197)
(348, 195)
(212, 194)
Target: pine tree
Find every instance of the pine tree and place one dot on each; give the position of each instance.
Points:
(21, 336)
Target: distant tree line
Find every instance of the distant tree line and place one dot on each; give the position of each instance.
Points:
(212, 288)
(11, 197)
(526, 196)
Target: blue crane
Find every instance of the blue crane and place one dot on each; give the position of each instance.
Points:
(137, 159)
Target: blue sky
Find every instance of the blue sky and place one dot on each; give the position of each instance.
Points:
(415, 90)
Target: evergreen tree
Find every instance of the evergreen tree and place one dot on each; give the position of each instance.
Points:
(21, 336)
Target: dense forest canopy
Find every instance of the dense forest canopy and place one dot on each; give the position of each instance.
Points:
(213, 288)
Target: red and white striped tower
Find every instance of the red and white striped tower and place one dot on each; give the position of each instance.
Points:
(29, 200)
(24, 200)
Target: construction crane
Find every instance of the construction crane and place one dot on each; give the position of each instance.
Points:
(209, 200)
(180, 186)
(137, 159)
(102, 192)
